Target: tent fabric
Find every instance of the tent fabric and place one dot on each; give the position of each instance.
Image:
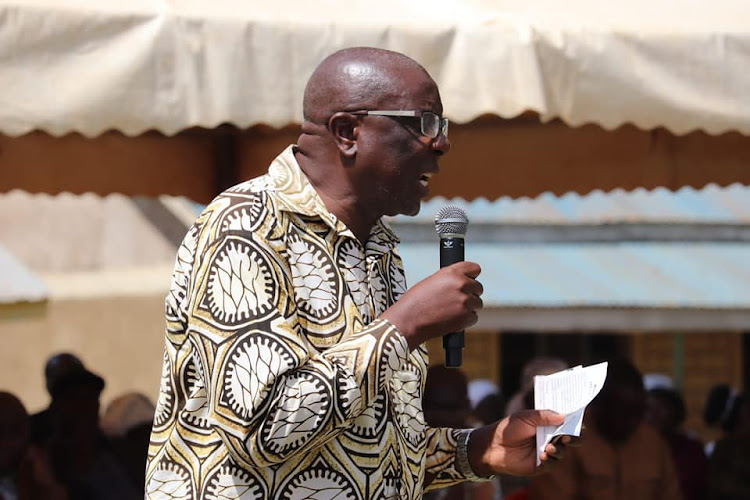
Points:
(93, 65)
(18, 283)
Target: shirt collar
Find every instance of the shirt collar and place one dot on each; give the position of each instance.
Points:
(297, 195)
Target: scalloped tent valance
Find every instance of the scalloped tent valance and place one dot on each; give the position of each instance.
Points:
(93, 65)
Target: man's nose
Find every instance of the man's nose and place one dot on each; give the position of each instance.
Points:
(441, 144)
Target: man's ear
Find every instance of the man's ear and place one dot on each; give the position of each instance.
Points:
(344, 128)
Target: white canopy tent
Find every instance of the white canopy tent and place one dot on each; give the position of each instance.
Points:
(93, 65)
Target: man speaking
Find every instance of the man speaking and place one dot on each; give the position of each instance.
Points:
(294, 360)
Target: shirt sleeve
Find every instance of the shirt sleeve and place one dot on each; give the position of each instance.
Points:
(440, 461)
(269, 392)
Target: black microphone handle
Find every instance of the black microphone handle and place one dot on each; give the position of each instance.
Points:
(452, 251)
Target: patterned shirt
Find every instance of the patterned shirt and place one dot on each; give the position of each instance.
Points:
(278, 379)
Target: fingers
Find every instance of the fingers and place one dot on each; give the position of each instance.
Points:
(549, 461)
(572, 441)
(540, 418)
(447, 301)
(470, 288)
(554, 451)
(470, 269)
(473, 287)
(472, 320)
(474, 303)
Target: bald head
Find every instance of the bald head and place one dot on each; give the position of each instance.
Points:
(355, 78)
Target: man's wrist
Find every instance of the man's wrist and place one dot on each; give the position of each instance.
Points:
(411, 339)
(463, 464)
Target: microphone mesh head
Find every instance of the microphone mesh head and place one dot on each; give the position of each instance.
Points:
(451, 220)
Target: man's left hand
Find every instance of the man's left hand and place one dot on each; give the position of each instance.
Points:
(509, 445)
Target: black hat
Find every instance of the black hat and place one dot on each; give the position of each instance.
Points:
(76, 378)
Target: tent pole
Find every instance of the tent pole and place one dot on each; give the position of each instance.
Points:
(226, 164)
(678, 354)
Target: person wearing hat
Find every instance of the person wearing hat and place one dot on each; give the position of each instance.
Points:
(56, 366)
(80, 453)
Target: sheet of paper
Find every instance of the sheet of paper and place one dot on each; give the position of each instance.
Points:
(568, 392)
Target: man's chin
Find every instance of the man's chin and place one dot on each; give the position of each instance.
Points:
(413, 210)
(408, 210)
(416, 210)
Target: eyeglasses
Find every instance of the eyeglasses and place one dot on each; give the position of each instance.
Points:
(431, 124)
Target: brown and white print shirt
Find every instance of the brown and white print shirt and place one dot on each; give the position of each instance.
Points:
(278, 380)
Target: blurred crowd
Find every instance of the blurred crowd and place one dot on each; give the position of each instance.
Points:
(72, 450)
(633, 446)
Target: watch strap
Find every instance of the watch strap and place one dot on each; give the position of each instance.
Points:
(462, 457)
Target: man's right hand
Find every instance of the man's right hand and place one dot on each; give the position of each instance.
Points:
(445, 302)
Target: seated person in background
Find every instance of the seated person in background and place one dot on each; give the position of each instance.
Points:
(127, 425)
(487, 402)
(25, 472)
(57, 365)
(81, 455)
(721, 410)
(666, 412)
(523, 399)
(619, 454)
(446, 404)
(487, 406)
(540, 365)
(729, 465)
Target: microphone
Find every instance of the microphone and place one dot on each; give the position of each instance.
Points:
(451, 224)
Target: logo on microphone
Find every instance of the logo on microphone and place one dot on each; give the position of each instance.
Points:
(448, 243)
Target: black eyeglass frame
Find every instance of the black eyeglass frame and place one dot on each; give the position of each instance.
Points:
(441, 123)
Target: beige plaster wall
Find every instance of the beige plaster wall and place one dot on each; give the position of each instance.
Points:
(121, 339)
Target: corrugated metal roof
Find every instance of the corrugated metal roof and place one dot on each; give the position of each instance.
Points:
(659, 274)
(76, 233)
(627, 270)
(712, 205)
(17, 282)
(626, 274)
(84, 246)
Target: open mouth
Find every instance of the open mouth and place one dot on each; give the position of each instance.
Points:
(424, 179)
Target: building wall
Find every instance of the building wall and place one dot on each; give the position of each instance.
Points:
(121, 339)
(709, 358)
(481, 356)
(490, 157)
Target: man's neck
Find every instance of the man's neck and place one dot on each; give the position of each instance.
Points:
(337, 195)
(346, 213)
